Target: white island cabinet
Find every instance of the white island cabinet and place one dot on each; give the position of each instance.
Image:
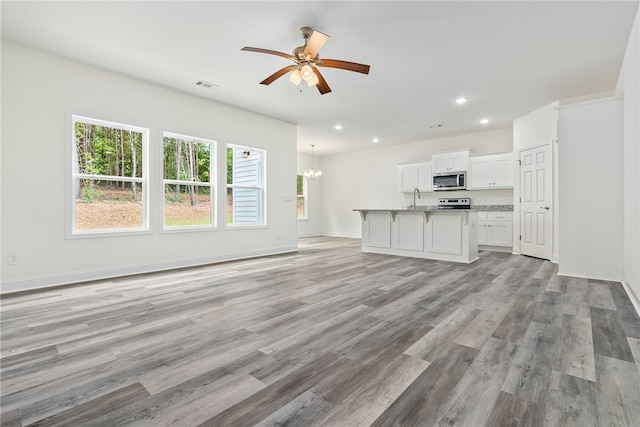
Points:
(447, 235)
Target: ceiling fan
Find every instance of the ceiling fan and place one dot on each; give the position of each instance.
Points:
(307, 61)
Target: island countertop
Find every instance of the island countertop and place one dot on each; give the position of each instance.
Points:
(474, 208)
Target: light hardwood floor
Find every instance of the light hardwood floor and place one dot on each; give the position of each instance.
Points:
(327, 336)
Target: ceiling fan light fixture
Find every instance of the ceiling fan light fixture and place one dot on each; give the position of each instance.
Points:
(306, 71)
(296, 77)
(313, 80)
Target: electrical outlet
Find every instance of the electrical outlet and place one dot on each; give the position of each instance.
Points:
(278, 236)
(13, 259)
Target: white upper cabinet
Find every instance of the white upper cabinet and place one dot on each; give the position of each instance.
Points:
(415, 175)
(491, 171)
(455, 161)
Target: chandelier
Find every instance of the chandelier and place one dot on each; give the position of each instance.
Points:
(312, 174)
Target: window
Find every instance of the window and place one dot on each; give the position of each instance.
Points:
(301, 201)
(188, 187)
(245, 185)
(109, 177)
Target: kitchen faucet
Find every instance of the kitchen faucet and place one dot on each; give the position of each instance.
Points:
(414, 196)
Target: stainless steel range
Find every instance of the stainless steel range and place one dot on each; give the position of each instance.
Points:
(454, 203)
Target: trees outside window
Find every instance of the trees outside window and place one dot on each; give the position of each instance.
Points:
(109, 177)
(245, 185)
(301, 201)
(109, 180)
(189, 196)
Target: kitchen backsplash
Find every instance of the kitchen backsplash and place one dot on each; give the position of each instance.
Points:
(478, 197)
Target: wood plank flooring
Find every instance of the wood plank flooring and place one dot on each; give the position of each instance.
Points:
(327, 336)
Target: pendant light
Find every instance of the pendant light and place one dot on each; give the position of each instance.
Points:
(312, 174)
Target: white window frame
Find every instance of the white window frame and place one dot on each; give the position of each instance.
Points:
(304, 196)
(211, 184)
(262, 213)
(73, 176)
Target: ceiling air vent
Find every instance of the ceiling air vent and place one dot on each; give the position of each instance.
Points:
(207, 85)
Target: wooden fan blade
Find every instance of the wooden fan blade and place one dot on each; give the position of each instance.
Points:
(315, 43)
(322, 85)
(273, 77)
(270, 52)
(343, 65)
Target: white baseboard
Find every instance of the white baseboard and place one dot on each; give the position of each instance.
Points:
(632, 296)
(351, 236)
(312, 234)
(494, 248)
(42, 282)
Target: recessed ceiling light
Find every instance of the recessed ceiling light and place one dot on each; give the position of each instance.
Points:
(461, 100)
(484, 121)
(337, 127)
(376, 140)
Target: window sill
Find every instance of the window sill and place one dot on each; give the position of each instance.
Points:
(188, 229)
(244, 227)
(107, 233)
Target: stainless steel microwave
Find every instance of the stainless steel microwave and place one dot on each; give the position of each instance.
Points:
(449, 181)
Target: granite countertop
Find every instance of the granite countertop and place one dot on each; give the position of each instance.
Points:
(492, 208)
(474, 208)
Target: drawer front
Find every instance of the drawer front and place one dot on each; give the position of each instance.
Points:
(500, 216)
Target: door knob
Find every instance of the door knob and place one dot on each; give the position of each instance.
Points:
(545, 207)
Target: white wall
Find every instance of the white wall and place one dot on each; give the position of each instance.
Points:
(369, 179)
(590, 191)
(540, 127)
(312, 226)
(629, 87)
(39, 91)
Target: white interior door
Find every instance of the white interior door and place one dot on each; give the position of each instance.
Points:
(535, 204)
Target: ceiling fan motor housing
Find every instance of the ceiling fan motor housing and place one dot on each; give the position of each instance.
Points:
(306, 33)
(299, 51)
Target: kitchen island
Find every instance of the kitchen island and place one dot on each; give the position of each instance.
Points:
(421, 232)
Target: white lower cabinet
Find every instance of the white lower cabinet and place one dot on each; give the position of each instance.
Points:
(410, 232)
(378, 230)
(445, 234)
(495, 229)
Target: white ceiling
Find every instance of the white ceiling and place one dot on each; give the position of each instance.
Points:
(508, 58)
